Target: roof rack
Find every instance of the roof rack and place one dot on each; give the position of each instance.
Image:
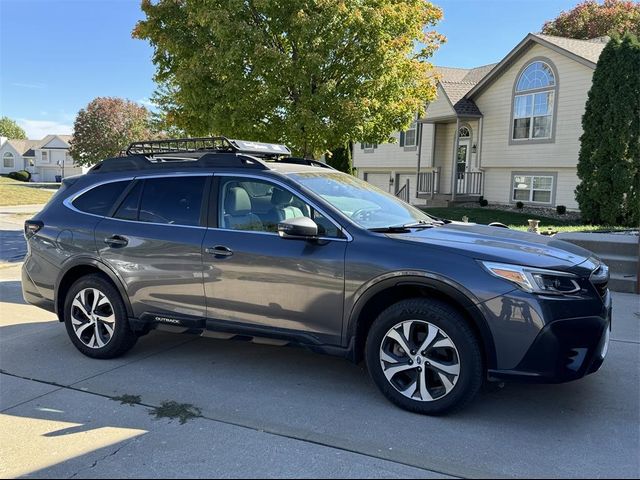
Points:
(207, 144)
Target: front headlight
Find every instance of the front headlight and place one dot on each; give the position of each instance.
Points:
(535, 280)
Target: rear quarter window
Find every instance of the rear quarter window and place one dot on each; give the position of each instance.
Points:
(99, 200)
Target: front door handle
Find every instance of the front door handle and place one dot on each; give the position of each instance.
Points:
(116, 241)
(219, 251)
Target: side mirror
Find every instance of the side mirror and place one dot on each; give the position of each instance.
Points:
(302, 228)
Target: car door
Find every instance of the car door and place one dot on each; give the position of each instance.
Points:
(153, 240)
(257, 280)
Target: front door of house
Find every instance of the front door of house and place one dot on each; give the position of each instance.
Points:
(462, 165)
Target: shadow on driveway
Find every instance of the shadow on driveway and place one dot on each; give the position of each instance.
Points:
(13, 246)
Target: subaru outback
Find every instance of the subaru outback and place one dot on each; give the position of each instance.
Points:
(232, 238)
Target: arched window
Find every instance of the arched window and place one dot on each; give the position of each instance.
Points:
(533, 102)
(464, 132)
(7, 160)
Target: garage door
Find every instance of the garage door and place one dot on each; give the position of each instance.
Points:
(402, 181)
(380, 180)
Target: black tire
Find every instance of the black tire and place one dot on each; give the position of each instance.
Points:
(451, 323)
(122, 339)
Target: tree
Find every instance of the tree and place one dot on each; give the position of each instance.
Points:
(609, 160)
(591, 19)
(10, 129)
(341, 159)
(311, 74)
(105, 127)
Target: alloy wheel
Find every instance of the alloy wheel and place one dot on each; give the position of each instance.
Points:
(420, 360)
(93, 318)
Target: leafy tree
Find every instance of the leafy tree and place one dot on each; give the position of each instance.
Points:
(609, 161)
(10, 129)
(591, 19)
(105, 127)
(311, 74)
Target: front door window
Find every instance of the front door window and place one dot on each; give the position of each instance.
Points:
(462, 160)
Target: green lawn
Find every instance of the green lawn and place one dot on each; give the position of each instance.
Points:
(13, 192)
(514, 220)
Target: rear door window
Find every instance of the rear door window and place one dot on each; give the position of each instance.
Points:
(100, 200)
(172, 200)
(128, 209)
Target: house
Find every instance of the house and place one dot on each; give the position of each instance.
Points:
(508, 131)
(45, 159)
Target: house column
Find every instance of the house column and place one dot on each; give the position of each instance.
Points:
(454, 160)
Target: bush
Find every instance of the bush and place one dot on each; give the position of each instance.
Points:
(484, 203)
(519, 205)
(22, 175)
(561, 209)
(480, 199)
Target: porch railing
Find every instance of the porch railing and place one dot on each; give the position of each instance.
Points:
(469, 183)
(404, 192)
(429, 181)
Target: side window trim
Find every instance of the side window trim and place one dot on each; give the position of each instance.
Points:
(217, 193)
(68, 202)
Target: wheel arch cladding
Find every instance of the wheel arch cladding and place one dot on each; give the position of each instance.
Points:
(79, 269)
(387, 292)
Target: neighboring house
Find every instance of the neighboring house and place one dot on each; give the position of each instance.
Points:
(508, 131)
(45, 159)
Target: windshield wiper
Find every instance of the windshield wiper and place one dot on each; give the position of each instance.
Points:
(402, 228)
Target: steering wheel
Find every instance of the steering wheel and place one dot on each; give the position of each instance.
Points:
(364, 214)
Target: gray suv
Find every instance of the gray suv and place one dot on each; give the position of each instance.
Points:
(231, 238)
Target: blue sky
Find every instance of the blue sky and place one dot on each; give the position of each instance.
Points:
(57, 55)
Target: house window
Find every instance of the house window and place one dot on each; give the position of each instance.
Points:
(532, 188)
(464, 132)
(45, 157)
(8, 161)
(67, 157)
(410, 136)
(369, 146)
(533, 102)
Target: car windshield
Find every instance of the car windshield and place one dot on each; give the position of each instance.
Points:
(365, 204)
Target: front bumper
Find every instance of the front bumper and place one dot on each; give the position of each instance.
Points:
(564, 350)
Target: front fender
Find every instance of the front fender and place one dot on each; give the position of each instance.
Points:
(446, 287)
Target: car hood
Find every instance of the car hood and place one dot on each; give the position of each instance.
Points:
(502, 245)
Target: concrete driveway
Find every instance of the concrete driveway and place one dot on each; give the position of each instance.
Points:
(270, 411)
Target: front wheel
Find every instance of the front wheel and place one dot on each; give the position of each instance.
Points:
(424, 357)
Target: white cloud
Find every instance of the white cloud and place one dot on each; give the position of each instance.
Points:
(146, 102)
(38, 86)
(37, 129)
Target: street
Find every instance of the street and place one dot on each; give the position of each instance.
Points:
(280, 411)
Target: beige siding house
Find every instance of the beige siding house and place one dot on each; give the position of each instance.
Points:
(508, 131)
(45, 159)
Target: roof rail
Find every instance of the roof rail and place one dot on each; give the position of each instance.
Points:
(206, 144)
(305, 161)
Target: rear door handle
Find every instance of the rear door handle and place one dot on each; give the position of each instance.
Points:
(116, 241)
(219, 251)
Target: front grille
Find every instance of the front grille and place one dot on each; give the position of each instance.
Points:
(600, 279)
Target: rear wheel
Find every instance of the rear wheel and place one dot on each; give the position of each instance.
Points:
(96, 318)
(424, 357)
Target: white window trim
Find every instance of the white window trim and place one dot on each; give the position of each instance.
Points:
(533, 116)
(531, 189)
(8, 156)
(413, 128)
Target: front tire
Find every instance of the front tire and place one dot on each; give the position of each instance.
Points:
(424, 357)
(96, 318)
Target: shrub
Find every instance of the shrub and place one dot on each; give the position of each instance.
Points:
(561, 209)
(519, 205)
(480, 199)
(22, 176)
(484, 203)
